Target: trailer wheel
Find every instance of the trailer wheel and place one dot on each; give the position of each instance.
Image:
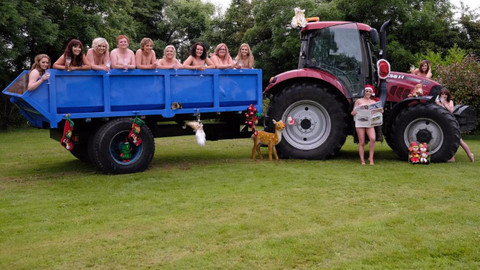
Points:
(321, 127)
(106, 145)
(428, 123)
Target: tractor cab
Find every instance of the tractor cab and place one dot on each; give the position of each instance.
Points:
(342, 49)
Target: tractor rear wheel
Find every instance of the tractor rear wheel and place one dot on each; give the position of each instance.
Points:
(428, 123)
(320, 127)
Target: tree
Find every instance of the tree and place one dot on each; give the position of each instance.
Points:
(185, 23)
(274, 43)
(231, 28)
(470, 25)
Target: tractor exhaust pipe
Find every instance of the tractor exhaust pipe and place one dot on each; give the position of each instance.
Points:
(385, 70)
(383, 39)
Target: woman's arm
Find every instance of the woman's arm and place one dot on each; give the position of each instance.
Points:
(355, 105)
(188, 64)
(132, 60)
(34, 82)
(448, 105)
(429, 74)
(60, 63)
(250, 65)
(86, 64)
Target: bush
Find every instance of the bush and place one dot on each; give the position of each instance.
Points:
(461, 78)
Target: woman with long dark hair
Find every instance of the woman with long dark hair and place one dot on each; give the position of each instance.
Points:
(73, 57)
(198, 59)
(424, 70)
(444, 99)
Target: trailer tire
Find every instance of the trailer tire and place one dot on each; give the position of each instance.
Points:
(321, 121)
(428, 123)
(105, 148)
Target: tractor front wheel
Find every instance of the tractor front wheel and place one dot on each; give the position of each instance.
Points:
(428, 123)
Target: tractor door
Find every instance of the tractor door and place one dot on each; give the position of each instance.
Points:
(338, 50)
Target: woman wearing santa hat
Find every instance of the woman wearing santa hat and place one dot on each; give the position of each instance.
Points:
(367, 99)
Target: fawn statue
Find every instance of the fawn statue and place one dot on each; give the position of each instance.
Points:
(269, 139)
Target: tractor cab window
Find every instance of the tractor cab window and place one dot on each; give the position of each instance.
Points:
(338, 50)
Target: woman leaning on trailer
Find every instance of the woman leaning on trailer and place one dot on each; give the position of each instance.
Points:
(38, 72)
(98, 55)
(169, 59)
(122, 57)
(73, 57)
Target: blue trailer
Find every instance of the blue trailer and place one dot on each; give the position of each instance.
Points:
(103, 106)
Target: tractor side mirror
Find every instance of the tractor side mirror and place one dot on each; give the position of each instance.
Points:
(374, 36)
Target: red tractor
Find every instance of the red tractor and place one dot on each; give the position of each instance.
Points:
(337, 59)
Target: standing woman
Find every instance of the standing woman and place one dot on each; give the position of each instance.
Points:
(169, 59)
(38, 72)
(244, 57)
(198, 59)
(370, 131)
(445, 100)
(221, 57)
(423, 71)
(73, 57)
(122, 56)
(145, 56)
(99, 55)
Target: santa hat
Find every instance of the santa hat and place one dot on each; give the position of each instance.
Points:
(370, 87)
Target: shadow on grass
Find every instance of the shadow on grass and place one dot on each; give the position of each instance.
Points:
(62, 169)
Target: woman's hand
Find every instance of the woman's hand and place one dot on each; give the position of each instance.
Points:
(45, 76)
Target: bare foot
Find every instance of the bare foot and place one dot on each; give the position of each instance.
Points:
(363, 162)
(471, 157)
(371, 161)
(452, 159)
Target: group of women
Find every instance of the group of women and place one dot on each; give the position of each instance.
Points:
(99, 57)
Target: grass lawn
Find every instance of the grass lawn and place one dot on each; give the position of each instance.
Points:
(214, 208)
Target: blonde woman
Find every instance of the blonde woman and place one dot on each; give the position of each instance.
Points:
(38, 72)
(98, 55)
(221, 57)
(145, 56)
(244, 57)
(169, 59)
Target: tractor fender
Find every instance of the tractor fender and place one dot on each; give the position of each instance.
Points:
(280, 81)
(398, 107)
